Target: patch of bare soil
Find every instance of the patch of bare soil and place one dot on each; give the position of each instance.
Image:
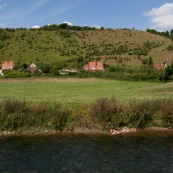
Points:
(50, 80)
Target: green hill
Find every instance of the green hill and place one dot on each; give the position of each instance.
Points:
(121, 46)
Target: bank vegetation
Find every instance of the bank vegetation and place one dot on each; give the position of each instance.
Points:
(102, 116)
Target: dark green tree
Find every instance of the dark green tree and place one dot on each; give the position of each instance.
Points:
(171, 32)
(45, 68)
(150, 61)
(54, 71)
(80, 59)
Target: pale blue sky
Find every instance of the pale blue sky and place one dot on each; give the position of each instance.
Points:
(140, 14)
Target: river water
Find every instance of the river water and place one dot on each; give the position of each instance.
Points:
(139, 152)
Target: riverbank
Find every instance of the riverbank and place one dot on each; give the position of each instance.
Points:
(106, 115)
(112, 132)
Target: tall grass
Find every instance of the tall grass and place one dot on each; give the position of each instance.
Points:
(19, 115)
(104, 114)
(113, 114)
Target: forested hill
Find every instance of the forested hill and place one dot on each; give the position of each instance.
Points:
(61, 43)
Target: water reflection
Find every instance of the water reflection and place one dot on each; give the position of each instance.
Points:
(89, 154)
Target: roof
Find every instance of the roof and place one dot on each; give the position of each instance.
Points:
(33, 65)
(98, 65)
(7, 64)
(158, 66)
(85, 66)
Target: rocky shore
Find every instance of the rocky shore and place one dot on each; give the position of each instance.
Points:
(124, 130)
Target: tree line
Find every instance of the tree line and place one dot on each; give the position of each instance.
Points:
(163, 33)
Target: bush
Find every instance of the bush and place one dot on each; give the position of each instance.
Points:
(104, 114)
(140, 113)
(15, 74)
(112, 114)
(55, 71)
(16, 114)
(105, 110)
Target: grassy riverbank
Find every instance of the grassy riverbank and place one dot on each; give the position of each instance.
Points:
(81, 105)
(102, 116)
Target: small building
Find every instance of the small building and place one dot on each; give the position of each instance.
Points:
(1, 74)
(94, 66)
(32, 68)
(7, 65)
(67, 71)
(86, 67)
(159, 66)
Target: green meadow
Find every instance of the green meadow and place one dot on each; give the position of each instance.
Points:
(78, 105)
(81, 91)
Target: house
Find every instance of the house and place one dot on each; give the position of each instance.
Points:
(167, 63)
(159, 66)
(67, 71)
(162, 65)
(94, 66)
(6, 65)
(1, 74)
(86, 67)
(32, 68)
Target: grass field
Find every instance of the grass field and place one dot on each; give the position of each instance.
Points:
(81, 91)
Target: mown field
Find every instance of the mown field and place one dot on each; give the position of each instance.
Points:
(81, 91)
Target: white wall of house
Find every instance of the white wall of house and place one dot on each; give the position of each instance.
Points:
(1, 74)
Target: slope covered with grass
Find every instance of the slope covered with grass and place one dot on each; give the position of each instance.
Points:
(120, 46)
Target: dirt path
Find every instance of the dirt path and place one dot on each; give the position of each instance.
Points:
(51, 80)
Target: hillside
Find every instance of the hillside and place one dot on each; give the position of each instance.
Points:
(121, 46)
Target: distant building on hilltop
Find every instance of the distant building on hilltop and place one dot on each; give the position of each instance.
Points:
(7, 65)
(162, 65)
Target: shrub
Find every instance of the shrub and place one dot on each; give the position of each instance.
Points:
(55, 71)
(104, 114)
(10, 106)
(16, 114)
(105, 110)
(15, 74)
(112, 114)
(140, 113)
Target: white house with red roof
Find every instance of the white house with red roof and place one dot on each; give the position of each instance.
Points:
(6, 65)
(94, 66)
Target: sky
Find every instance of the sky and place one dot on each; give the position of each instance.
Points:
(137, 14)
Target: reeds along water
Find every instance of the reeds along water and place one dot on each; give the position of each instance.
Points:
(104, 114)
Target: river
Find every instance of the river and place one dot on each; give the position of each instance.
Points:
(139, 152)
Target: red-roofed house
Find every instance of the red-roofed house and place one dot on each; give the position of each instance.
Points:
(7, 65)
(94, 66)
(86, 67)
(159, 66)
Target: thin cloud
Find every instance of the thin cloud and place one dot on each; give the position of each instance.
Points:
(35, 6)
(161, 17)
(36, 27)
(1, 24)
(65, 6)
(98, 26)
(3, 6)
(21, 12)
(68, 23)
